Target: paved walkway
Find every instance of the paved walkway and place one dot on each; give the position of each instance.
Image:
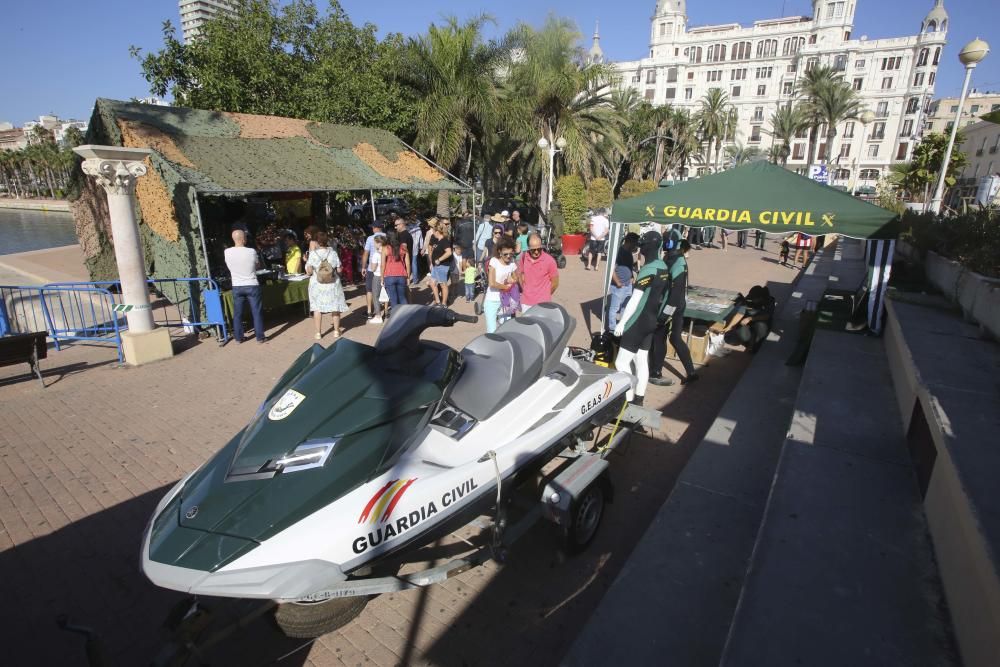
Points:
(84, 461)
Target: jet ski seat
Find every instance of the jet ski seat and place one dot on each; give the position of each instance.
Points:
(501, 365)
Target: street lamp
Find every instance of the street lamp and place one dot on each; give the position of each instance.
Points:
(971, 55)
(544, 144)
(866, 117)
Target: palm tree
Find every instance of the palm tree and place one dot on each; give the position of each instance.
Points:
(455, 74)
(715, 121)
(786, 122)
(553, 92)
(739, 154)
(684, 141)
(835, 102)
(808, 89)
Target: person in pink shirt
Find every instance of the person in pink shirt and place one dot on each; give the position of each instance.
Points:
(538, 275)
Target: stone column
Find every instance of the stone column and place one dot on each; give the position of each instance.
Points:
(116, 170)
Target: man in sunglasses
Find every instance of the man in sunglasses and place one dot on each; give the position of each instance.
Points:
(539, 275)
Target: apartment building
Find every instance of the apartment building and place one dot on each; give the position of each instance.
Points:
(194, 13)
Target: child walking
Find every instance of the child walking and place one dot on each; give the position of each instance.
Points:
(469, 276)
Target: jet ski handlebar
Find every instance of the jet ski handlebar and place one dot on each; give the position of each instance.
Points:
(408, 322)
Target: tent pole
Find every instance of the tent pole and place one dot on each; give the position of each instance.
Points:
(371, 197)
(201, 232)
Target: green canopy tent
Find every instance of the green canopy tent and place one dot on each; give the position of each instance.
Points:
(763, 196)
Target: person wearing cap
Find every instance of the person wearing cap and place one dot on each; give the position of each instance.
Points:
(638, 322)
(367, 266)
(677, 300)
(505, 214)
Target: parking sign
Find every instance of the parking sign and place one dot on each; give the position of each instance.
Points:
(819, 173)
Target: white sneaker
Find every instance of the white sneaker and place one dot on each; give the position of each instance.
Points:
(375, 320)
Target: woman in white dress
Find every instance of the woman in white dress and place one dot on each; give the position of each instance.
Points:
(325, 297)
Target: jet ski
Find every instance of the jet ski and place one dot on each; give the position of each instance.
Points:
(362, 452)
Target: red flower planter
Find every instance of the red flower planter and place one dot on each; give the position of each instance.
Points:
(572, 244)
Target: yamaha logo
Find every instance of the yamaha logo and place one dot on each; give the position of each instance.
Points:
(191, 513)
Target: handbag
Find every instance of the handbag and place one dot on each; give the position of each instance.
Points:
(383, 295)
(716, 344)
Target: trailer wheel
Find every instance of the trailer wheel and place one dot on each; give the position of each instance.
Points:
(585, 517)
(307, 620)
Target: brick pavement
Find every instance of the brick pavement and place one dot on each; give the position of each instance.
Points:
(84, 461)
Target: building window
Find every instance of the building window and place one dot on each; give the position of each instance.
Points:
(792, 67)
(847, 35)
(764, 72)
(870, 174)
(937, 56)
(886, 83)
(873, 150)
(859, 64)
(689, 93)
(907, 127)
(840, 63)
(994, 107)
(923, 57)
(812, 39)
(849, 130)
(834, 10)
(811, 63)
(649, 94)
(693, 53)
(672, 75)
(845, 150)
(767, 48)
(671, 93)
(761, 90)
(735, 92)
(651, 76)
(918, 79)
(787, 88)
(954, 108)
(821, 153)
(901, 151)
(740, 51)
(738, 74)
(716, 53)
(663, 29)
(754, 133)
(792, 45)
(882, 110)
(758, 114)
(798, 151)
(975, 108)
(714, 75)
(912, 105)
(842, 174)
(891, 63)
(636, 78)
(930, 78)
(878, 131)
(802, 133)
(857, 83)
(690, 76)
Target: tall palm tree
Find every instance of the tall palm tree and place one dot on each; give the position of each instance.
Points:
(455, 74)
(553, 92)
(715, 121)
(808, 89)
(834, 103)
(740, 154)
(786, 122)
(684, 141)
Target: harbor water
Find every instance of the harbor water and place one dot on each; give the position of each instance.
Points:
(22, 231)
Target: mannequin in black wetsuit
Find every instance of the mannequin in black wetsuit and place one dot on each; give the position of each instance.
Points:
(637, 323)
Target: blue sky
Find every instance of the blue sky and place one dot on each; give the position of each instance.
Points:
(61, 55)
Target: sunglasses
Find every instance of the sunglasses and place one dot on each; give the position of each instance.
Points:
(507, 255)
(496, 233)
(534, 249)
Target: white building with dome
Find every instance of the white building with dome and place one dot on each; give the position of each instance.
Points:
(758, 66)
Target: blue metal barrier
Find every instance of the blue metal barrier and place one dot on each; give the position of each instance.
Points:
(190, 296)
(67, 313)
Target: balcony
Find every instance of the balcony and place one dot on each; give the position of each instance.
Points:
(993, 149)
(979, 152)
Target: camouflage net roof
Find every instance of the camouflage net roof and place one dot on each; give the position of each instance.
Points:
(231, 152)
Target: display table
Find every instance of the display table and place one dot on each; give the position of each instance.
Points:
(274, 294)
(704, 304)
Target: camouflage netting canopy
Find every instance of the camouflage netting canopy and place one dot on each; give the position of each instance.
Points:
(222, 152)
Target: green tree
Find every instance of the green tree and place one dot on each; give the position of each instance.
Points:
(810, 91)
(553, 92)
(716, 121)
(787, 121)
(599, 193)
(833, 103)
(286, 61)
(572, 196)
(633, 188)
(738, 154)
(920, 175)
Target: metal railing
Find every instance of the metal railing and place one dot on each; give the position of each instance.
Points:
(86, 311)
(179, 302)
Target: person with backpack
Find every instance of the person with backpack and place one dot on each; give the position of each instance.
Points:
(326, 293)
(672, 318)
